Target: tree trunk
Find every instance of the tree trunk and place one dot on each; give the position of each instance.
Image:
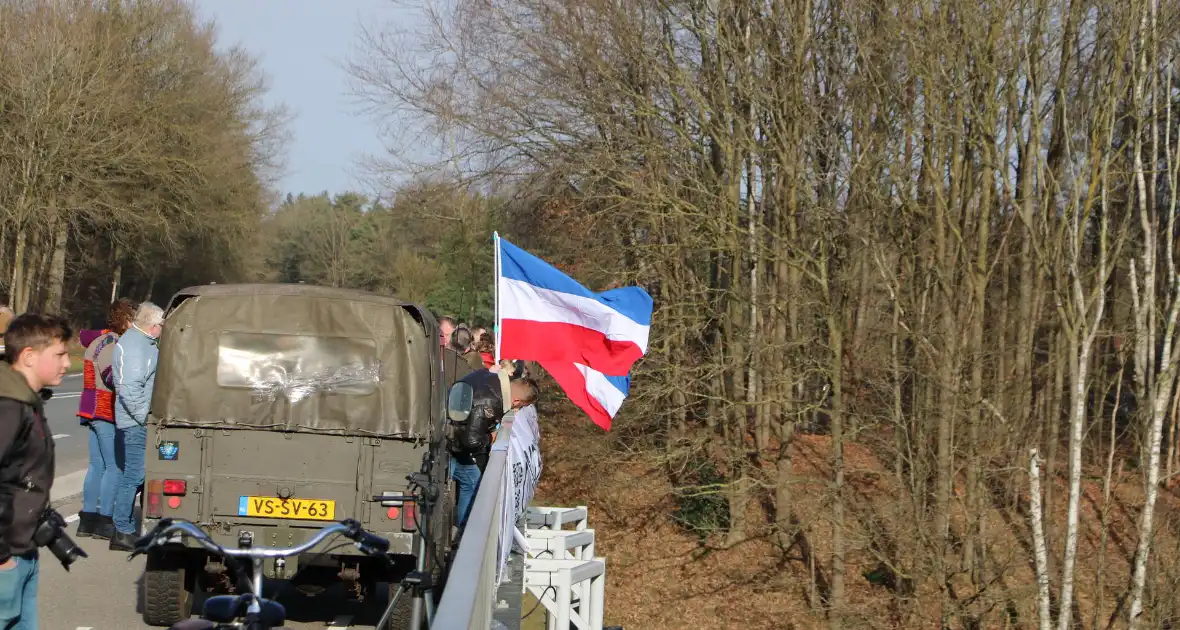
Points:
(1107, 483)
(4, 270)
(1040, 554)
(1170, 460)
(836, 599)
(117, 273)
(30, 268)
(151, 287)
(1156, 379)
(975, 545)
(16, 286)
(783, 509)
(1060, 358)
(1077, 423)
(57, 267)
(899, 428)
(1151, 487)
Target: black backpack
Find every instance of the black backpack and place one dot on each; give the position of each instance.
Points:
(473, 436)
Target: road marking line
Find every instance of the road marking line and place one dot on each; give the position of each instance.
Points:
(90, 628)
(71, 518)
(341, 621)
(67, 485)
(64, 396)
(58, 436)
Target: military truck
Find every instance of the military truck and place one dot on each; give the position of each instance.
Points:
(278, 408)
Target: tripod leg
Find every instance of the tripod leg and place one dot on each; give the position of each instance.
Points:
(416, 610)
(381, 625)
(429, 609)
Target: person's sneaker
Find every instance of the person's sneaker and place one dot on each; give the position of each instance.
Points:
(86, 524)
(104, 527)
(123, 542)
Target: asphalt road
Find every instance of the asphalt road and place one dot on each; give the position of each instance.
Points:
(101, 592)
(72, 440)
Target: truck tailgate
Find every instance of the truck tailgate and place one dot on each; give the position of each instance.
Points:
(261, 476)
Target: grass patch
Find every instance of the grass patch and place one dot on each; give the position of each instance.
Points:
(76, 360)
(536, 620)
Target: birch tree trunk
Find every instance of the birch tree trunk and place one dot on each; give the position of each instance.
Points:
(1040, 554)
(1160, 384)
(117, 272)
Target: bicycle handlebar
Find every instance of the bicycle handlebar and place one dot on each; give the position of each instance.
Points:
(369, 544)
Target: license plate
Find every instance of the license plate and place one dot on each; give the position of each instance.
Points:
(274, 507)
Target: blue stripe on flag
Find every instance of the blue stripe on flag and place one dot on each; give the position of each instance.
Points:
(621, 383)
(632, 302)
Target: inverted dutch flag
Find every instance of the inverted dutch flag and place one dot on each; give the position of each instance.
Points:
(588, 341)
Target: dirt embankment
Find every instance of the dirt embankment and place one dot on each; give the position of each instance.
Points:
(661, 576)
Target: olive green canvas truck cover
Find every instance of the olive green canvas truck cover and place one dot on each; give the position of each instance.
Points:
(299, 358)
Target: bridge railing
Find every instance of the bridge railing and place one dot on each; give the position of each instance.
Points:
(470, 594)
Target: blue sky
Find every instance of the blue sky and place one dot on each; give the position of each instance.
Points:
(300, 43)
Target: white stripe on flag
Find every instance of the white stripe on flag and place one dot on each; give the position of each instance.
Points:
(602, 390)
(521, 300)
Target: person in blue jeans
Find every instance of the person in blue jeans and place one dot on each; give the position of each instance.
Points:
(18, 593)
(134, 373)
(467, 475)
(96, 412)
(35, 357)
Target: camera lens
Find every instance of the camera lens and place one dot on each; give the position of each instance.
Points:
(51, 533)
(66, 551)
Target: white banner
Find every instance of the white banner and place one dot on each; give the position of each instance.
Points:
(521, 476)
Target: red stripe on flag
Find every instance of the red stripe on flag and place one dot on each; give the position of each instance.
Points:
(573, 383)
(566, 343)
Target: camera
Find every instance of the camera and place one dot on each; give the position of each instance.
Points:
(51, 533)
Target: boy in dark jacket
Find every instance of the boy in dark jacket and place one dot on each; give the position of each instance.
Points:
(35, 357)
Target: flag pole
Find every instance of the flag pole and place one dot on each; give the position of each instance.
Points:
(496, 293)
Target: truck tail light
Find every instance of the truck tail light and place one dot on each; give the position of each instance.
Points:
(409, 516)
(151, 507)
(175, 487)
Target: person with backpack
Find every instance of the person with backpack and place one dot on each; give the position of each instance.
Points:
(472, 438)
(96, 412)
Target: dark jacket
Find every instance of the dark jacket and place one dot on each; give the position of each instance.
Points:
(474, 360)
(454, 367)
(26, 463)
(472, 439)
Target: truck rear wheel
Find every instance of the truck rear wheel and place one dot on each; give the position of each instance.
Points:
(400, 618)
(167, 590)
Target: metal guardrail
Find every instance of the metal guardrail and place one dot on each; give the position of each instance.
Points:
(470, 594)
